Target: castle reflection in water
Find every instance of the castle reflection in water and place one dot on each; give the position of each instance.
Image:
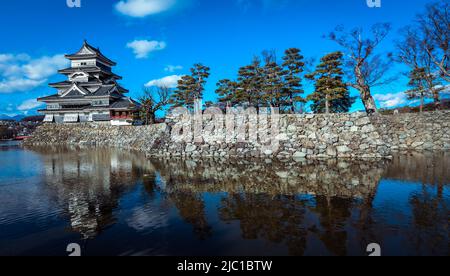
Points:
(327, 204)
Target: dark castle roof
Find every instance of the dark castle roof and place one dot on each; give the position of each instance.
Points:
(123, 103)
(111, 90)
(87, 51)
(95, 82)
(63, 84)
(90, 69)
(73, 92)
(48, 98)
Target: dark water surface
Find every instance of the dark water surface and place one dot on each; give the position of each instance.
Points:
(119, 203)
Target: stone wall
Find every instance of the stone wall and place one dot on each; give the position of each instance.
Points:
(300, 137)
(415, 131)
(142, 138)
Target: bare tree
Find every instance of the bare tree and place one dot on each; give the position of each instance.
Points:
(434, 26)
(411, 52)
(154, 100)
(366, 69)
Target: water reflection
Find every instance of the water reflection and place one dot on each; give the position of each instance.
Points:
(269, 199)
(430, 205)
(316, 208)
(328, 178)
(89, 184)
(428, 168)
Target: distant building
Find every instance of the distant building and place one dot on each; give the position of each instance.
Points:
(91, 93)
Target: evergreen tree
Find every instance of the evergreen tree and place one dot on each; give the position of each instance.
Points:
(200, 74)
(331, 93)
(272, 81)
(190, 88)
(250, 82)
(423, 85)
(294, 66)
(183, 96)
(227, 92)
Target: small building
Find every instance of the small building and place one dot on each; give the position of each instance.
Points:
(90, 94)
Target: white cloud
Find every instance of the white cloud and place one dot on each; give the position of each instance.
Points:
(143, 8)
(19, 85)
(11, 57)
(44, 67)
(6, 57)
(391, 100)
(142, 48)
(173, 68)
(20, 73)
(169, 82)
(446, 89)
(29, 104)
(10, 70)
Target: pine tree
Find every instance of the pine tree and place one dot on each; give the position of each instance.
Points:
(294, 66)
(423, 85)
(227, 92)
(272, 81)
(190, 88)
(249, 85)
(331, 93)
(200, 73)
(183, 96)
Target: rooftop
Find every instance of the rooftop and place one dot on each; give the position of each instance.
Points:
(90, 69)
(88, 51)
(124, 103)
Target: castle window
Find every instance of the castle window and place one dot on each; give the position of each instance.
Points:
(100, 103)
(53, 106)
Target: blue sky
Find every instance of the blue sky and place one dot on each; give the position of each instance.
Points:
(156, 41)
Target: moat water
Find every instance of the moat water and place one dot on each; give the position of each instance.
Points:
(113, 202)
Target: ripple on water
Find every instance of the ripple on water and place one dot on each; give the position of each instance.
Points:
(148, 218)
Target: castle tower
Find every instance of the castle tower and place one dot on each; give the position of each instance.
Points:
(91, 92)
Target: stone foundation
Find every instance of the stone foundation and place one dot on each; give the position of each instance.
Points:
(353, 136)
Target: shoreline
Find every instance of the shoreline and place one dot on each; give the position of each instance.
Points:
(151, 156)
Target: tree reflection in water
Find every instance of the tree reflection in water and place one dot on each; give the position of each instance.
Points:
(278, 219)
(313, 207)
(429, 206)
(431, 218)
(334, 215)
(192, 210)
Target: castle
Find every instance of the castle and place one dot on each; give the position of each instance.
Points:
(91, 93)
